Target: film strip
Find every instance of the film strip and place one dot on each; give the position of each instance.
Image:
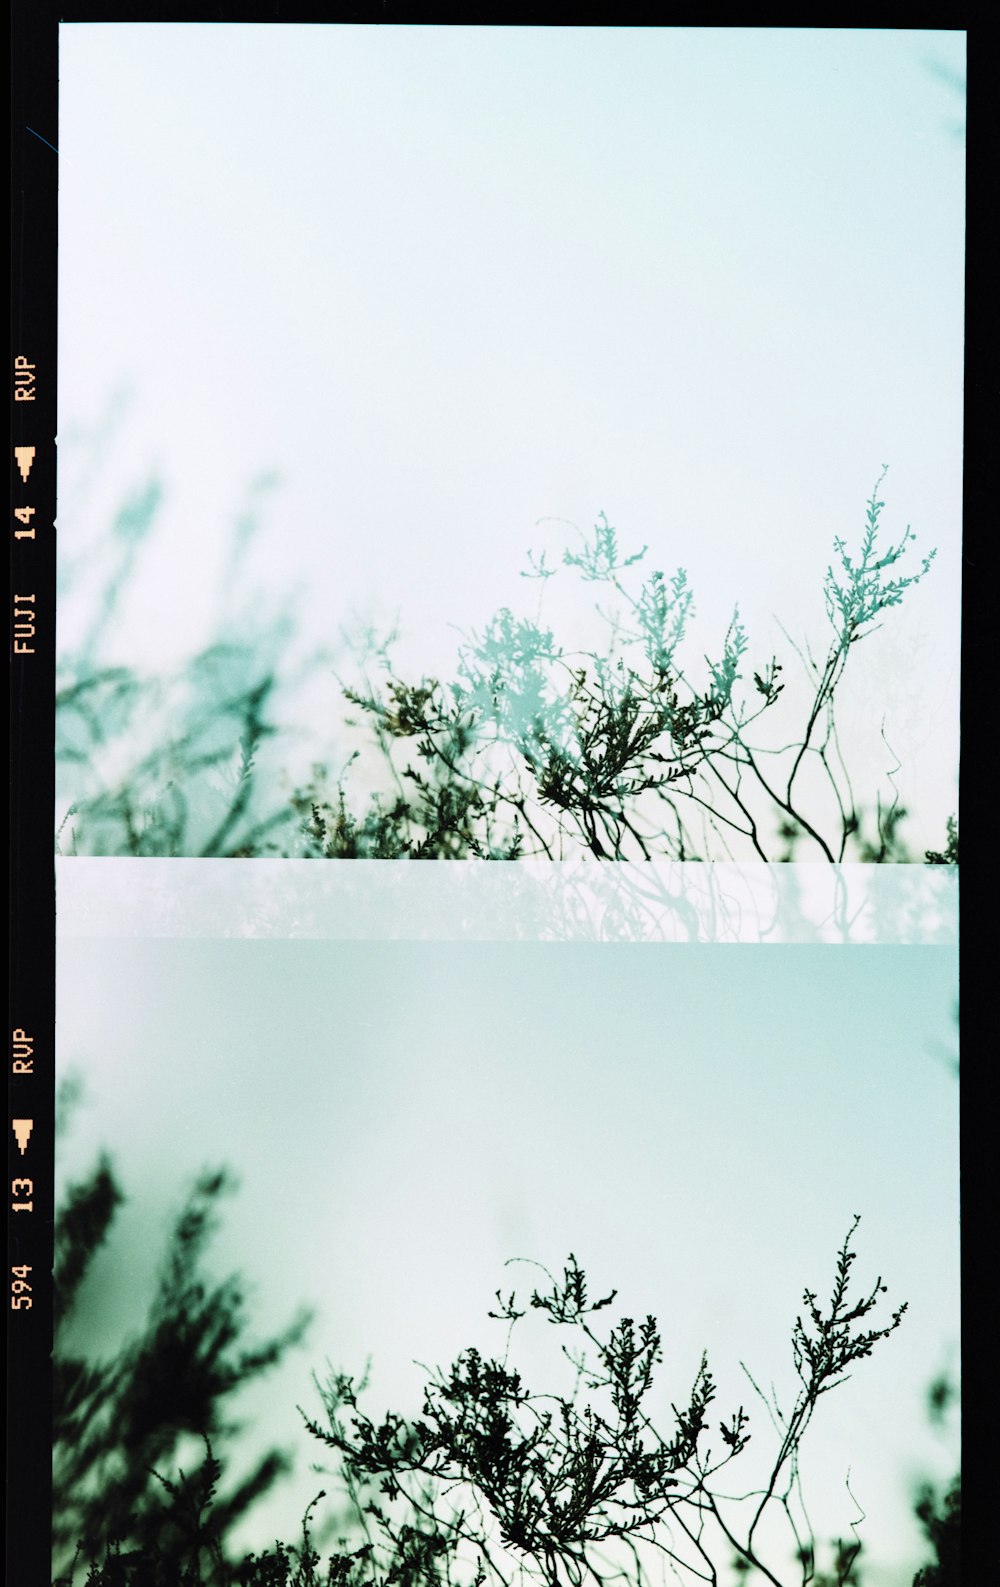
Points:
(645, 905)
(31, 1029)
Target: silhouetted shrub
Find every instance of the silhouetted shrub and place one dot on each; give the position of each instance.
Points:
(494, 1481)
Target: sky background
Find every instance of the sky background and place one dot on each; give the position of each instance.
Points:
(371, 302)
(698, 1124)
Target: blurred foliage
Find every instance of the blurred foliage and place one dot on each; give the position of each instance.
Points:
(941, 1518)
(119, 1422)
(623, 749)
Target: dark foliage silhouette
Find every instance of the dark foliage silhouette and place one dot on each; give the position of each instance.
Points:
(497, 1482)
(120, 1503)
(491, 1483)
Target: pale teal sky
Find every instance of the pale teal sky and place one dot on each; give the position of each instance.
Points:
(698, 1124)
(447, 282)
